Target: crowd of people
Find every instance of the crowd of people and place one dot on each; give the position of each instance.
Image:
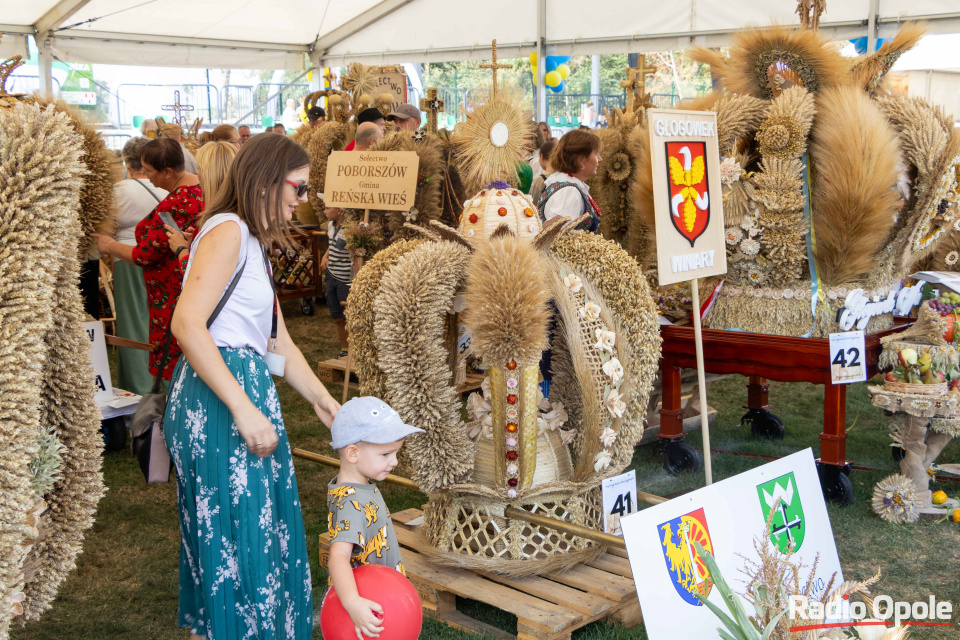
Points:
(192, 277)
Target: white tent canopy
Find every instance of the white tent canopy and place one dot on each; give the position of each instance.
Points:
(291, 34)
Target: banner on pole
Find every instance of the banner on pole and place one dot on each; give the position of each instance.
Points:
(688, 197)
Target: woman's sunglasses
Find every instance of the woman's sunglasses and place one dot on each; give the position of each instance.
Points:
(302, 187)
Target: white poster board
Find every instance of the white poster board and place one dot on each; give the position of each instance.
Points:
(101, 366)
(725, 517)
(687, 194)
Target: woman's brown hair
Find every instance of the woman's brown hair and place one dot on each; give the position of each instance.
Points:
(163, 153)
(572, 148)
(255, 184)
(546, 151)
(224, 133)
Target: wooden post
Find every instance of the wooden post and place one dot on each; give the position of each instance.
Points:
(701, 382)
(346, 373)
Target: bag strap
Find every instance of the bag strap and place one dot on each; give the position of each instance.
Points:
(168, 335)
(155, 197)
(276, 301)
(227, 293)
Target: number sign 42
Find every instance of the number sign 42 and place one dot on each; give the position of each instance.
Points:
(847, 357)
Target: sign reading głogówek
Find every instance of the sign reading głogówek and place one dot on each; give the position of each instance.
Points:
(687, 194)
(371, 180)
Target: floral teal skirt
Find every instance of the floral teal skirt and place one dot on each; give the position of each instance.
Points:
(244, 569)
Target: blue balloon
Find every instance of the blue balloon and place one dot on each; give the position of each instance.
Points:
(562, 59)
(558, 88)
(551, 64)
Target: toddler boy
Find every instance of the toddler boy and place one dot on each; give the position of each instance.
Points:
(367, 434)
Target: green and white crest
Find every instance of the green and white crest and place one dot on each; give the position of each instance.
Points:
(788, 526)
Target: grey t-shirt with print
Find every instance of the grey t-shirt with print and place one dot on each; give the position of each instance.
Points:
(359, 515)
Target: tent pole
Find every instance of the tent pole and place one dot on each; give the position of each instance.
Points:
(45, 65)
(540, 89)
(872, 26)
(271, 97)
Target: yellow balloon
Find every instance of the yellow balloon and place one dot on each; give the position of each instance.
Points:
(533, 70)
(563, 70)
(533, 58)
(552, 79)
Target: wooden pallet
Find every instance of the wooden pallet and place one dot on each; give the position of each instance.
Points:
(332, 371)
(547, 607)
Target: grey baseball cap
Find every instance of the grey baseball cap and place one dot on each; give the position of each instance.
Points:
(368, 419)
(404, 111)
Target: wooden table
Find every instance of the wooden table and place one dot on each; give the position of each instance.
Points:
(761, 357)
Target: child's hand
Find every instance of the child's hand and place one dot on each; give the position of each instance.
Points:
(364, 614)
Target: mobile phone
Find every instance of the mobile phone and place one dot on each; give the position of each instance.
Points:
(168, 220)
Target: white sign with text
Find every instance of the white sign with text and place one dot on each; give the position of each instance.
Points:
(101, 366)
(847, 352)
(619, 500)
(725, 518)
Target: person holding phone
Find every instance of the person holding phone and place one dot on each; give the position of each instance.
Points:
(163, 165)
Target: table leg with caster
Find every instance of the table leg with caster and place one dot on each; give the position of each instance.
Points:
(678, 456)
(832, 466)
(758, 418)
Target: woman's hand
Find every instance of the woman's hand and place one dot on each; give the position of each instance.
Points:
(177, 238)
(103, 242)
(326, 408)
(257, 431)
(363, 614)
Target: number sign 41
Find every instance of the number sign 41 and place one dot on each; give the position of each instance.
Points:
(619, 500)
(847, 357)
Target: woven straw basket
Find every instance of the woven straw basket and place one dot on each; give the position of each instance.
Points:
(916, 389)
(467, 528)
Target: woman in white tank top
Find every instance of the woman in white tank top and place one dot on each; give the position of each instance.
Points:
(244, 569)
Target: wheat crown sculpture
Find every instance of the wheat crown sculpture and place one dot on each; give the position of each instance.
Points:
(50, 478)
(514, 288)
(831, 183)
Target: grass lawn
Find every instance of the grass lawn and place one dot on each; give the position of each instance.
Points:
(125, 584)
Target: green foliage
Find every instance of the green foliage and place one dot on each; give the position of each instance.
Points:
(741, 626)
(46, 468)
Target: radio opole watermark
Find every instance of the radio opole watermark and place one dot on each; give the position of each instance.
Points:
(885, 611)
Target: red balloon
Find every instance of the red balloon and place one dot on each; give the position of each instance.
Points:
(402, 612)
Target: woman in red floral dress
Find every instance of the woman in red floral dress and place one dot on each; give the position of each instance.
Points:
(163, 162)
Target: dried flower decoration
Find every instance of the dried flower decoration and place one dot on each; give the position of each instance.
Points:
(615, 404)
(613, 369)
(895, 499)
(619, 167)
(605, 340)
(590, 310)
(608, 437)
(573, 283)
(730, 171)
(952, 258)
(781, 137)
(734, 235)
(750, 247)
(602, 461)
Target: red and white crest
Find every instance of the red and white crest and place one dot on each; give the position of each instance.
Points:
(689, 194)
